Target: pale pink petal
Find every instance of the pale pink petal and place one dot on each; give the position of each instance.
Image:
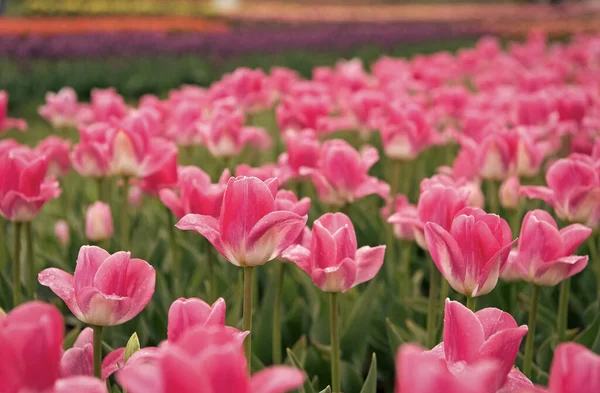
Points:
(79, 384)
(299, 255)
(113, 362)
(143, 378)
(538, 192)
(503, 346)
(208, 227)
(171, 201)
(573, 236)
(463, 333)
(61, 283)
(77, 361)
(368, 262)
(336, 278)
(100, 309)
(553, 272)
(88, 261)
(276, 379)
(446, 254)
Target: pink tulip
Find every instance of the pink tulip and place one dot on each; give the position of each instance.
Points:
(61, 108)
(135, 195)
(106, 290)
(281, 80)
(134, 152)
(421, 372)
(197, 194)
(471, 254)
(509, 193)
(90, 157)
(224, 133)
(184, 314)
(264, 173)
(250, 88)
(575, 369)
(7, 123)
(545, 253)
(107, 105)
(573, 190)
(24, 188)
(472, 188)
(79, 360)
(99, 222)
(489, 334)
(288, 201)
(57, 151)
(7, 145)
(343, 175)
(305, 107)
(206, 359)
(302, 151)
(164, 177)
(405, 212)
(250, 231)
(31, 344)
(333, 262)
(181, 123)
(61, 231)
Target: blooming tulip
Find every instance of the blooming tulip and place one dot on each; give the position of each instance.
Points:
(6, 123)
(106, 290)
(573, 190)
(250, 230)
(90, 157)
(196, 193)
(107, 105)
(545, 254)
(99, 222)
(31, 344)
(471, 253)
(57, 152)
(489, 334)
(223, 366)
(61, 231)
(265, 172)
(343, 176)
(23, 186)
(61, 108)
(575, 369)
(302, 151)
(333, 261)
(422, 372)
(509, 193)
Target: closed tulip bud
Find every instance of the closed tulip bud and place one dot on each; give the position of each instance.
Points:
(99, 222)
(61, 231)
(509, 193)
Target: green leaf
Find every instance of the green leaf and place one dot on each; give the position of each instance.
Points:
(590, 337)
(307, 388)
(326, 390)
(370, 385)
(71, 337)
(394, 335)
(133, 345)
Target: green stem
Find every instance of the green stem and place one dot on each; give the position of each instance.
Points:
(97, 351)
(472, 303)
(335, 343)
(3, 252)
(444, 292)
(563, 309)
(210, 258)
(125, 216)
(279, 276)
(435, 278)
(405, 279)
(247, 318)
(17, 266)
(99, 189)
(176, 265)
(595, 261)
(492, 193)
(31, 269)
(514, 298)
(531, 334)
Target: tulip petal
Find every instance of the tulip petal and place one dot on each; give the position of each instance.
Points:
(538, 192)
(113, 362)
(208, 227)
(101, 309)
(572, 237)
(80, 384)
(272, 234)
(77, 361)
(368, 262)
(503, 346)
(61, 283)
(143, 378)
(88, 261)
(140, 284)
(323, 249)
(111, 276)
(336, 278)
(446, 254)
(276, 379)
(299, 255)
(493, 320)
(517, 382)
(552, 273)
(172, 202)
(463, 333)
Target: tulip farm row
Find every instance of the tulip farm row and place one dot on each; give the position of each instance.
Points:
(418, 225)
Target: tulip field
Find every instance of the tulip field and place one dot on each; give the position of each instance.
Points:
(410, 225)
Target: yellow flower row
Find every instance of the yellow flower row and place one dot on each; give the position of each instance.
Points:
(119, 7)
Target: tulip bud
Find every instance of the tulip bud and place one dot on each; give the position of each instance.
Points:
(133, 345)
(61, 231)
(134, 196)
(99, 222)
(509, 193)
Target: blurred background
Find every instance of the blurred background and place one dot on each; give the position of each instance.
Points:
(151, 46)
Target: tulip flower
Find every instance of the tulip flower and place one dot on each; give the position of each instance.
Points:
(90, 157)
(422, 372)
(223, 366)
(488, 334)
(106, 290)
(509, 193)
(184, 314)
(107, 105)
(197, 194)
(164, 177)
(335, 265)
(249, 232)
(24, 188)
(575, 369)
(471, 253)
(573, 190)
(31, 338)
(57, 152)
(343, 176)
(7, 145)
(302, 151)
(264, 173)
(99, 222)
(250, 88)
(407, 213)
(7, 123)
(61, 231)
(305, 107)
(61, 108)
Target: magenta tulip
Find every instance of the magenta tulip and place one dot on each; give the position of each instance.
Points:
(545, 254)
(333, 262)
(250, 231)
(106, 290)
(575, 369)
(302, 151)
(471, 254)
